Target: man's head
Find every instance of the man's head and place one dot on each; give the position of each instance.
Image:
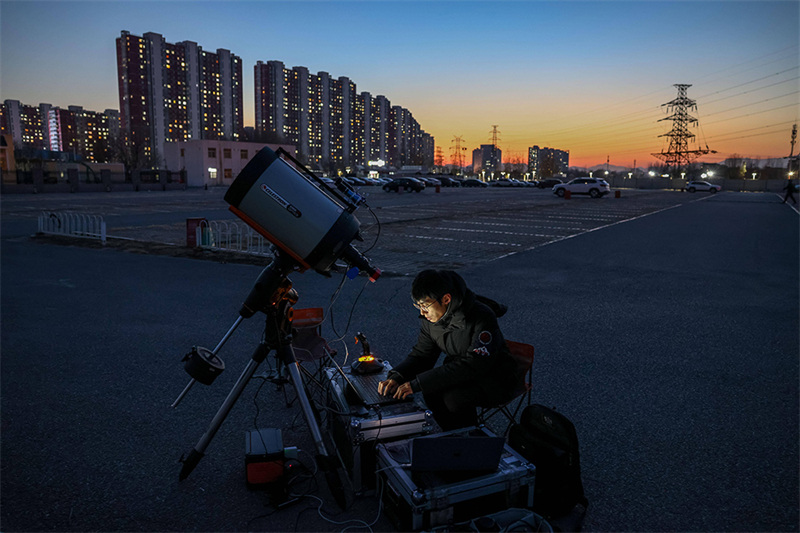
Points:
(432, 292)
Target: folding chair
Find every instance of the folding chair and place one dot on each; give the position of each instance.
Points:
(523, 355)
(309, 348)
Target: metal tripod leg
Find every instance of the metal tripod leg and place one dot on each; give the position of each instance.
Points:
(198, 451)
(305, 405)
(259, 355)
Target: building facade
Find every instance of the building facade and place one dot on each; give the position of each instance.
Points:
(88, 134)
(546, 162)
(486, 160)
(176, 92)
(213, 162)
(331, 124)
(93, 136)
(27, 125)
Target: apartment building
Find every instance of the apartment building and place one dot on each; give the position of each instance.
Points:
(27, 125)
(486, 160)
(546, 162)
(88, 134)
(171, 92)
(332, 125)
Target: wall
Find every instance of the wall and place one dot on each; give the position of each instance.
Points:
(197, 162)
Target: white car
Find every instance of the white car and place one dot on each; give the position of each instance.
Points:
(594, 187)
(694, 186)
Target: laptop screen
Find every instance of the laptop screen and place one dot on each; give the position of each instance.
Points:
(456, 453)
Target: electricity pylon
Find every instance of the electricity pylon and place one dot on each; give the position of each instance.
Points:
(457, 151)
(438, 159)
(678, 153)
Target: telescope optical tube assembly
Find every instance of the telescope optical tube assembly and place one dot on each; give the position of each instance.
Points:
(298, 213)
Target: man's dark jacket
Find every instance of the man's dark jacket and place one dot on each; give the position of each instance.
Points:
(475, 350)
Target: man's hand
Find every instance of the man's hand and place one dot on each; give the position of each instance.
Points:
(403, 391)
(387, 388)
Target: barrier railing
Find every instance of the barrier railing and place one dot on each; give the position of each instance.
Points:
(73, 224)
(232, 236)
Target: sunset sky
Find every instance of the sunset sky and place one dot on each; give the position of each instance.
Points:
(588, 77)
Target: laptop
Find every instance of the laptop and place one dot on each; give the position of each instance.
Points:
(456, 454)
(365, 388)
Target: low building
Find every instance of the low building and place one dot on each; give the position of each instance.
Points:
(213, 163)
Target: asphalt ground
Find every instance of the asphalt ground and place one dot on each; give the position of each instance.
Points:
(665, 326)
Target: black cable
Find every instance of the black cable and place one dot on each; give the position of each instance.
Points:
(350, 317)
(378, 222)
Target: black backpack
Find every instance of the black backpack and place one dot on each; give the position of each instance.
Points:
(548, 439)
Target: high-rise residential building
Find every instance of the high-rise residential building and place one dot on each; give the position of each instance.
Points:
(28, 125)
(331, 124)
(91, 135)
(486, 160)
(84, 133)
(546, 162)
(176, 92)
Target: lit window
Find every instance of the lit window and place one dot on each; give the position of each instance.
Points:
(212, 173)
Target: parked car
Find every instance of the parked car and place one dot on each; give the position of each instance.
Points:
(594, 187)
(408, 184)
(502, 183)
(694, 186)
(472, 182)
(449, 182)
(548, 183)
(432, 182)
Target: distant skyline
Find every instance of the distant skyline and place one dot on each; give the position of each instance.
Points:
(588, 77)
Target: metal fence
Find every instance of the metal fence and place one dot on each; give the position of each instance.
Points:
(73, 224)
(232, 236)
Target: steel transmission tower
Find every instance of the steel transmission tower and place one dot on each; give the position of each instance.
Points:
(438, 159)
(457, 151)
(678, 154)
(495, 134)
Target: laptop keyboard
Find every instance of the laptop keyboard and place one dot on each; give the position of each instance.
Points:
(366, 387)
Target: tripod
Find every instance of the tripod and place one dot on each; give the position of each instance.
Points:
(273, 295)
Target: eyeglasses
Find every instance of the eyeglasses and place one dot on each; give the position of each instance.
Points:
(424, 307)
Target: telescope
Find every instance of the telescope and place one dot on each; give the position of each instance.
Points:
(312, 226)
(298, 212)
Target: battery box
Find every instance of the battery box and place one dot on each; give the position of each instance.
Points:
(264, 458)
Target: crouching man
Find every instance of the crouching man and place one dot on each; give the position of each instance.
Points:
(477, 371)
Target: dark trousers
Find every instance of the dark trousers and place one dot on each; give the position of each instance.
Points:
(789, 194)
(457, 407)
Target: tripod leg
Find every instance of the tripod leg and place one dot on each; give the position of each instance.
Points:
(197, 452)
(305, 405)
(329, 464)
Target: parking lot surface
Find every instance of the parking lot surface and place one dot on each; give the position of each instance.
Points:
(665, 327)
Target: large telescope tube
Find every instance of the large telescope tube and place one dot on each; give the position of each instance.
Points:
(297, 212)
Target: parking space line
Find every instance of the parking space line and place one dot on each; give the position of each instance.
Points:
(435, 238)
(483, 224)
(445, 228)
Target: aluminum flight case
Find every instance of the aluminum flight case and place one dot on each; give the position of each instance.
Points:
(357, 429)
(416, 501)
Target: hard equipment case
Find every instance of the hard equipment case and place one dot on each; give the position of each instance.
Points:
(416, 502)
(356, 429)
